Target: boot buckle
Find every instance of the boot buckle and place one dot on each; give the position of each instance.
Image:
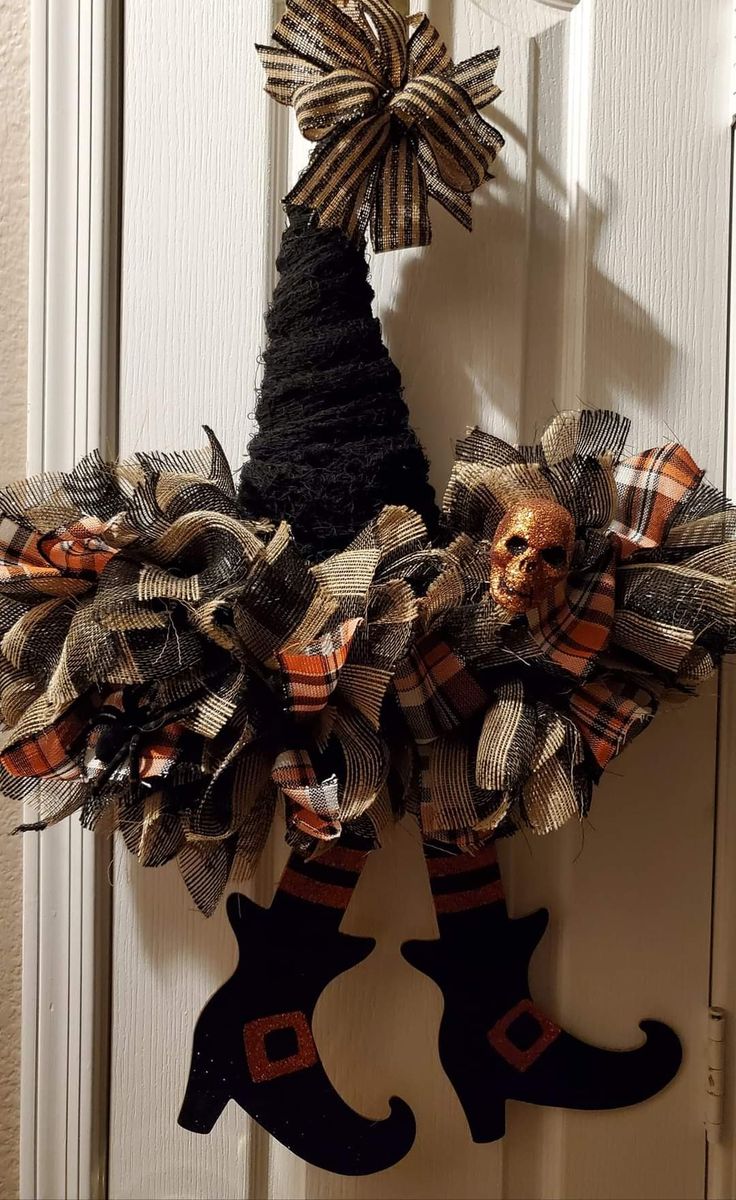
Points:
(521, 1058)
(262, 1066)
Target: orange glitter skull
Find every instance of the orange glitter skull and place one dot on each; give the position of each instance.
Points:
(531, 554)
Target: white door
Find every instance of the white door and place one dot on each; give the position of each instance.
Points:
(597, 273)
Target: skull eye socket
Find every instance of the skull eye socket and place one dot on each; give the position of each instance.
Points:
(517, 545)
(555, 556)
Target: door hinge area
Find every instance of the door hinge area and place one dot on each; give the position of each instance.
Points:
(716, 1062)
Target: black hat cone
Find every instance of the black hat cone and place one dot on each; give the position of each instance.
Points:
(334, 443)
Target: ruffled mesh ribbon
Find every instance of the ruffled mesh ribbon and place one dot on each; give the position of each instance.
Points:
(394, 120)
(516, 717)
(175, 669)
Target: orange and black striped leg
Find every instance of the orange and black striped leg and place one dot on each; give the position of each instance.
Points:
(495, 1043)
(253, 1042)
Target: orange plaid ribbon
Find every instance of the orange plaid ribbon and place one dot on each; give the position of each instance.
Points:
(165, 662)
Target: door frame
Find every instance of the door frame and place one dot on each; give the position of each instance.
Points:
(721, 1150)
(75, 147)
(77, 53)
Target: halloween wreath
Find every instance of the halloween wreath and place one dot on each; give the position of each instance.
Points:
(178, 656)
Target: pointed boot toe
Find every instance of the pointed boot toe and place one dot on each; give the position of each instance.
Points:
(495, 1044)
(254, 1042)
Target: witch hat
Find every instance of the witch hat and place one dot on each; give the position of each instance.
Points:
(394, 121)
(334, 444)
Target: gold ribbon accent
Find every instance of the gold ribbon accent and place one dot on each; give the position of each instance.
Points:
(394, 120)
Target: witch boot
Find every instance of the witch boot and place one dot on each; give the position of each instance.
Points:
(495, 1044)
(253, 1042)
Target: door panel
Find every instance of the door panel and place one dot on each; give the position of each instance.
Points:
(596, 273)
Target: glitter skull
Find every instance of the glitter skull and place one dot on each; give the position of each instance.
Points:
(531, 553)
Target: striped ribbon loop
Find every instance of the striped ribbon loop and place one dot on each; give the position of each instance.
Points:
(325, 34)
(427, 51)
(394, 120)
(476, 75)
(343, 97)
(391, 29)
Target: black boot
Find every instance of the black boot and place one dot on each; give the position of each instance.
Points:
(495, 1044)
(253, 1042)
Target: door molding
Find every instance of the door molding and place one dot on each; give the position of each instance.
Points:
(721, 1177)
(76, 53)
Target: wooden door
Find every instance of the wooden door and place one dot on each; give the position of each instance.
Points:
(596, 274)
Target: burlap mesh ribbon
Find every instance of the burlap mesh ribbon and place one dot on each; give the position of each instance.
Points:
(176, 669)
(516, 717)
(394, 120)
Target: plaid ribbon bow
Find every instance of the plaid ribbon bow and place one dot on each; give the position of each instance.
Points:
(395, 119)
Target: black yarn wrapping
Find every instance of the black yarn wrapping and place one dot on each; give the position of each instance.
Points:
(334, 443)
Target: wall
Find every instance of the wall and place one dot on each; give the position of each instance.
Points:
(14, 129)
